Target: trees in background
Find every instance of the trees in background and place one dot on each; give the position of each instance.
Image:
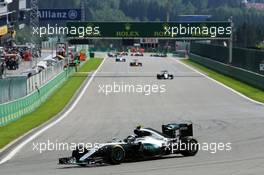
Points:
(249, 23)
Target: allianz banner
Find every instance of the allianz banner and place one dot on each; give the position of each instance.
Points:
(60, 14)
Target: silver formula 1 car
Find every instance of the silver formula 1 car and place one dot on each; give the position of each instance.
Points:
(146, 143)
(165, 76)
(120, 59)
(137, 54)
(135, 63)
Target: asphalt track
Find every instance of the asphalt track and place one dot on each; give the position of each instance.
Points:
(218, 114)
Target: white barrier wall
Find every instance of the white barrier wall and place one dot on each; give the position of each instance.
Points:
(43, 77)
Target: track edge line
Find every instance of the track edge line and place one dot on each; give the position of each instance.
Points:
(219, 83)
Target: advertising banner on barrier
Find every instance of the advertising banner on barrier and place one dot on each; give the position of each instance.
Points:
(60, 14)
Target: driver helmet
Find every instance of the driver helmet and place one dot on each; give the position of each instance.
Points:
(131, 139)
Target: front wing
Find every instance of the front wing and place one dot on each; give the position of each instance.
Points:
(73, 161)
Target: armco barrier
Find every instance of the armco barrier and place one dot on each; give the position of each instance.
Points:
(248, 59)
(248, 77)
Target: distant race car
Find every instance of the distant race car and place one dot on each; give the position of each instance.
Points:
(136, 63)
(137, 54)
(123, 53)
(120, 59)
(111, 54)
(159, 55)
(146, 143)
(165, 75)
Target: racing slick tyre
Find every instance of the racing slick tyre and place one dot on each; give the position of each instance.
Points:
(158, 77)
(117, 155)
(191, 147)
(171, 77)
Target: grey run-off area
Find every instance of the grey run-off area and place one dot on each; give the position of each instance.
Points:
(218, 114)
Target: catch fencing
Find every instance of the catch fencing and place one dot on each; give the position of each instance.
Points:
(12, 88)
(44, 76)
(15, 87)
(14, 110)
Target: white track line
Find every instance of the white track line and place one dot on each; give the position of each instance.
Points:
(221, 84)
(12, 153)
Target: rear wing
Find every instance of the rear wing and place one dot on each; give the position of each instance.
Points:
(184, 129)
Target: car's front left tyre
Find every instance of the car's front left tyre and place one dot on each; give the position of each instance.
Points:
(117, 155)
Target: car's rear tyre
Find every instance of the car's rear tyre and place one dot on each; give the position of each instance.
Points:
(117, 155)
(192, 147)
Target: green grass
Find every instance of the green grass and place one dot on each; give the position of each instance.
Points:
(50, 108)
(93, 64)
(243, 88)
